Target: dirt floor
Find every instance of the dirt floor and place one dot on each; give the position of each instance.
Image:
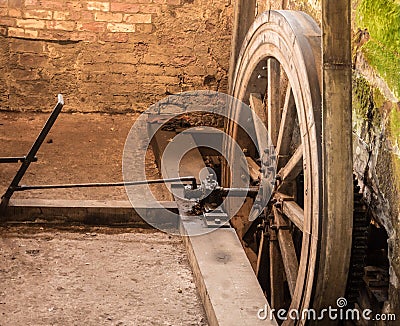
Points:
(96, 276)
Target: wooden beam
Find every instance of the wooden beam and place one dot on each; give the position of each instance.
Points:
(337, 148)
(244, 14)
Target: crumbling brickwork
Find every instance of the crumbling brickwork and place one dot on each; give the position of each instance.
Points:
(110, 56)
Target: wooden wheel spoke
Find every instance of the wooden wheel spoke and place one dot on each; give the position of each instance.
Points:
(276, 272)
(288, 252)
(286, 128)
(254, 169)
(294, 212)
(258, 113)
(293, 167)
(273, 93)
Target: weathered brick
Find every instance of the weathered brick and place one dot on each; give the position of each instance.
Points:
(31, 23)
(97, 5)
(125, 7)
(12, 12)
(138, 18)
(150, 9)
(3, 3)
(123, 68)
(168, 80)
(143, 1)
(146, 70)
(4, 11)
(174, 2)
(51, 4)
(92, 27)
(87, 16)
(24, 74)
(54, 35)
(94, 67)
(124, 57)
(115, 37)
(31, 2)
(15, 3)
(75, 5)
(154, 59)
(61, 25)
(83, 36)
(7, 21)
(184, 60)
(38, 14)
(121, 99)
(31, 60)
(108, 17)
(3, 31)
(96, 56)
(22, 46)
(66, 15)
(144, 28)
(195, 69)
(121, 27)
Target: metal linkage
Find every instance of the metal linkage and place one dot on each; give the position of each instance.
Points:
(31, 156)
(106, 184)
(210, 189)
(15, 159)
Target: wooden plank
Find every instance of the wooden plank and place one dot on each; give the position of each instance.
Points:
(274, 99)
(294, 212)
(225, 280)
(93, 212)
(286, 128)
(288, 252)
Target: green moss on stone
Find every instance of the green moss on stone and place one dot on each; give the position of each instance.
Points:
(382, 19)
(361, 97)
(379, 98)
(394, 125)
(368, 104)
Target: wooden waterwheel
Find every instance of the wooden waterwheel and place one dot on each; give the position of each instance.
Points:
(278, 74)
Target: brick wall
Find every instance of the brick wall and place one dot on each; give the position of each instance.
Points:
(110, 56)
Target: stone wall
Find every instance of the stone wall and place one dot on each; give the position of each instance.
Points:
(110, 56)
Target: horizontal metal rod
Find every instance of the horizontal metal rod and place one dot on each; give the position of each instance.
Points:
(239, 192)
(106, 184)
(15, 159)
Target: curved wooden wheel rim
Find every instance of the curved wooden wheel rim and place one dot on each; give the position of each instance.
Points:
(291, 41)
